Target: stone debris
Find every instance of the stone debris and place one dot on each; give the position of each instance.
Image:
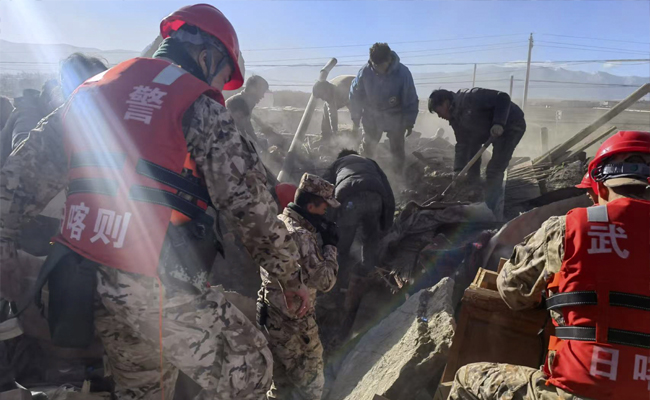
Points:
(404, 353)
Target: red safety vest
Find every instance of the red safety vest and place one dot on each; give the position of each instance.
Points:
(603, 294)
(129, 171)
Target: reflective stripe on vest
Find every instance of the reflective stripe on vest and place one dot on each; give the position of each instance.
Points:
(185, 209)
(602, 349)
(129, 168)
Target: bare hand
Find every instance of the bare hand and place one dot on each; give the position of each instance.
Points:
(302, 293)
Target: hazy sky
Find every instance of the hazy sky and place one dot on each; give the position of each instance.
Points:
(455, 31)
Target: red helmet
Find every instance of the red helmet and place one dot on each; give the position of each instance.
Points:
(286, 193)
(620, 142)
(586, 182)
(211, 21)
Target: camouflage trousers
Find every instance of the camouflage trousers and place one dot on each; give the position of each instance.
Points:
(490, 381)
(202, 335)
(297, 355)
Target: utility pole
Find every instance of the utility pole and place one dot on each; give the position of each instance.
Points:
(530, 52)
(512, 82)
(474, 77)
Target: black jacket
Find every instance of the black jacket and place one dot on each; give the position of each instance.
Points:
(474, 112)
(353, 174)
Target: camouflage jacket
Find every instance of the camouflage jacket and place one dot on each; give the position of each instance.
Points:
(37, 170)
(524, 277)
(319, 267)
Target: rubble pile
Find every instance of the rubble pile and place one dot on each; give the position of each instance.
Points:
(565, 176)
(430, 183)
(439, 227)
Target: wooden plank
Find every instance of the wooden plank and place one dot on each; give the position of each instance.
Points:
(485, 279)
(502, 262)
(489, 331)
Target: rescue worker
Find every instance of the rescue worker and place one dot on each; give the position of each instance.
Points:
(35, 105)
(143, 149)
(296, 347)
(336, 95)
(253, 93)
(383, 98)
(368, 208)
(475, 115)
(587, 184)
(592, 266)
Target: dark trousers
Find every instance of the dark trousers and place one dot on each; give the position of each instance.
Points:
(502, 150)
(6, 367)
(372, 136)
(360, 213)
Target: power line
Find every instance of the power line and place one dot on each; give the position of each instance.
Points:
(538, 81)
(401, 52)
(594, 50)
(593, 38)
(392, 43)
(436, 82)
(444, 40)
(593, 47)
(634, 60)
(429, 76)
(585, 83)
(364, 60)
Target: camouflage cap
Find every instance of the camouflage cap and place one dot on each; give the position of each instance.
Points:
(320, 187)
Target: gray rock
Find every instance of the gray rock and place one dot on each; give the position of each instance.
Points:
(407, 350)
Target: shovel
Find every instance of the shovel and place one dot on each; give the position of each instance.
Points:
(463, 172)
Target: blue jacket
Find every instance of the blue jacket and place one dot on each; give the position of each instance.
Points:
(386, 102)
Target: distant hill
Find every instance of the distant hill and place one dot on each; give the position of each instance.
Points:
(546, 82)
(27, 57)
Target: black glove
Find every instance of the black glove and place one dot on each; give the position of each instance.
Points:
(330, 234)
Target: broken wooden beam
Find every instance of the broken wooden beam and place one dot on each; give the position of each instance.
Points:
(585, 146)
(304, 124)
